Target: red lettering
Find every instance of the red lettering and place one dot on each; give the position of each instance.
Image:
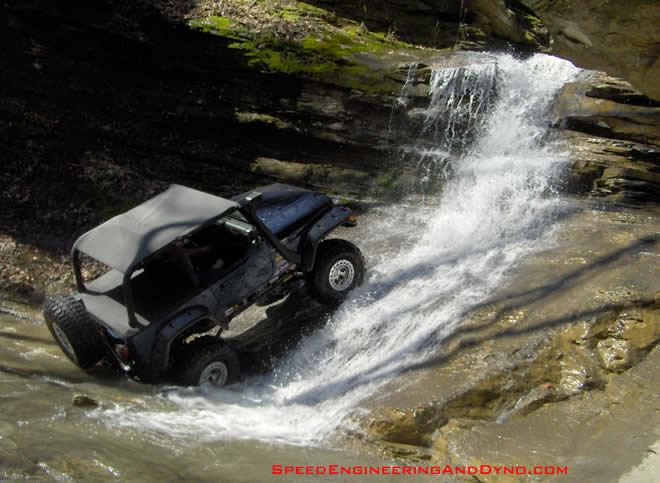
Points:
(421, 470)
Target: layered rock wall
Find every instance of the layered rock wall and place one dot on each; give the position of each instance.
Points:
(612, 133)
(621, 38)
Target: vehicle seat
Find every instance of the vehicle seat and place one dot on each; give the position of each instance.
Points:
(181, 259)
(213, 273)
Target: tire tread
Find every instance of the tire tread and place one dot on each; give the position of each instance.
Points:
(70, 314)
(197, 354)
(328, 252)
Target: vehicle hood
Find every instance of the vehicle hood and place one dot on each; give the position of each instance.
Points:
(284, 207)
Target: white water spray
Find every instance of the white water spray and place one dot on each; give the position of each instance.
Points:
(457, 251)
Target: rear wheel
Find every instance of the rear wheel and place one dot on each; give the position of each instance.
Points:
(74, 330)
(338, 269)
(207, 361)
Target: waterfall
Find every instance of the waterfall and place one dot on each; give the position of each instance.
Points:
(460, 97)
(451, 253)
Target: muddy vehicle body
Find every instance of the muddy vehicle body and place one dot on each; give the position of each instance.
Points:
(183, 264)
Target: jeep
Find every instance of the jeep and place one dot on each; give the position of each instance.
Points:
(182, 265)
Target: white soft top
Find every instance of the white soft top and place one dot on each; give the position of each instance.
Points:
(127, 239)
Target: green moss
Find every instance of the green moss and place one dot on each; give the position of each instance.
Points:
(387, 179)
(333, 55)
(394, 183)
(215, 25)
(352, 40)
(535, 31)
(327, 58)
(534, 22)
(299, 11)
(312, 11)
(250, 117)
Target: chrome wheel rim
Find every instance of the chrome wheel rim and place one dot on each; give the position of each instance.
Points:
(342, 274)
(215, 374)
(64, 342)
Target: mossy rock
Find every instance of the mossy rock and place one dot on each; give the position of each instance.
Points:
(350, 57)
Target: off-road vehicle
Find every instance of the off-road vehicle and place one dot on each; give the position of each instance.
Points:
(183, 264)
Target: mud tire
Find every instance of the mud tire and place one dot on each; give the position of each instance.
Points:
(338, 269)
(207, 360)
(74, 330)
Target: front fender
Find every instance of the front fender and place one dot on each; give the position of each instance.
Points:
(337, 216)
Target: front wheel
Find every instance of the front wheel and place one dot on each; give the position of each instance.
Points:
(338, 269)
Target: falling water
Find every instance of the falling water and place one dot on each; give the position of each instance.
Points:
(454, 252)
(460, 100)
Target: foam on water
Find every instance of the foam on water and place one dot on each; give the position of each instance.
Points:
(495, 209)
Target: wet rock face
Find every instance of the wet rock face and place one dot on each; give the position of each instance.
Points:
(575, 360)
(605, 106)
(442, 23)
(405, 426)
(613, 134)
(620, 38)
(624, 342)
(575, 344)
(431, 22)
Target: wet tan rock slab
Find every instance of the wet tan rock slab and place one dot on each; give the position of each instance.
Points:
(548, 372)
